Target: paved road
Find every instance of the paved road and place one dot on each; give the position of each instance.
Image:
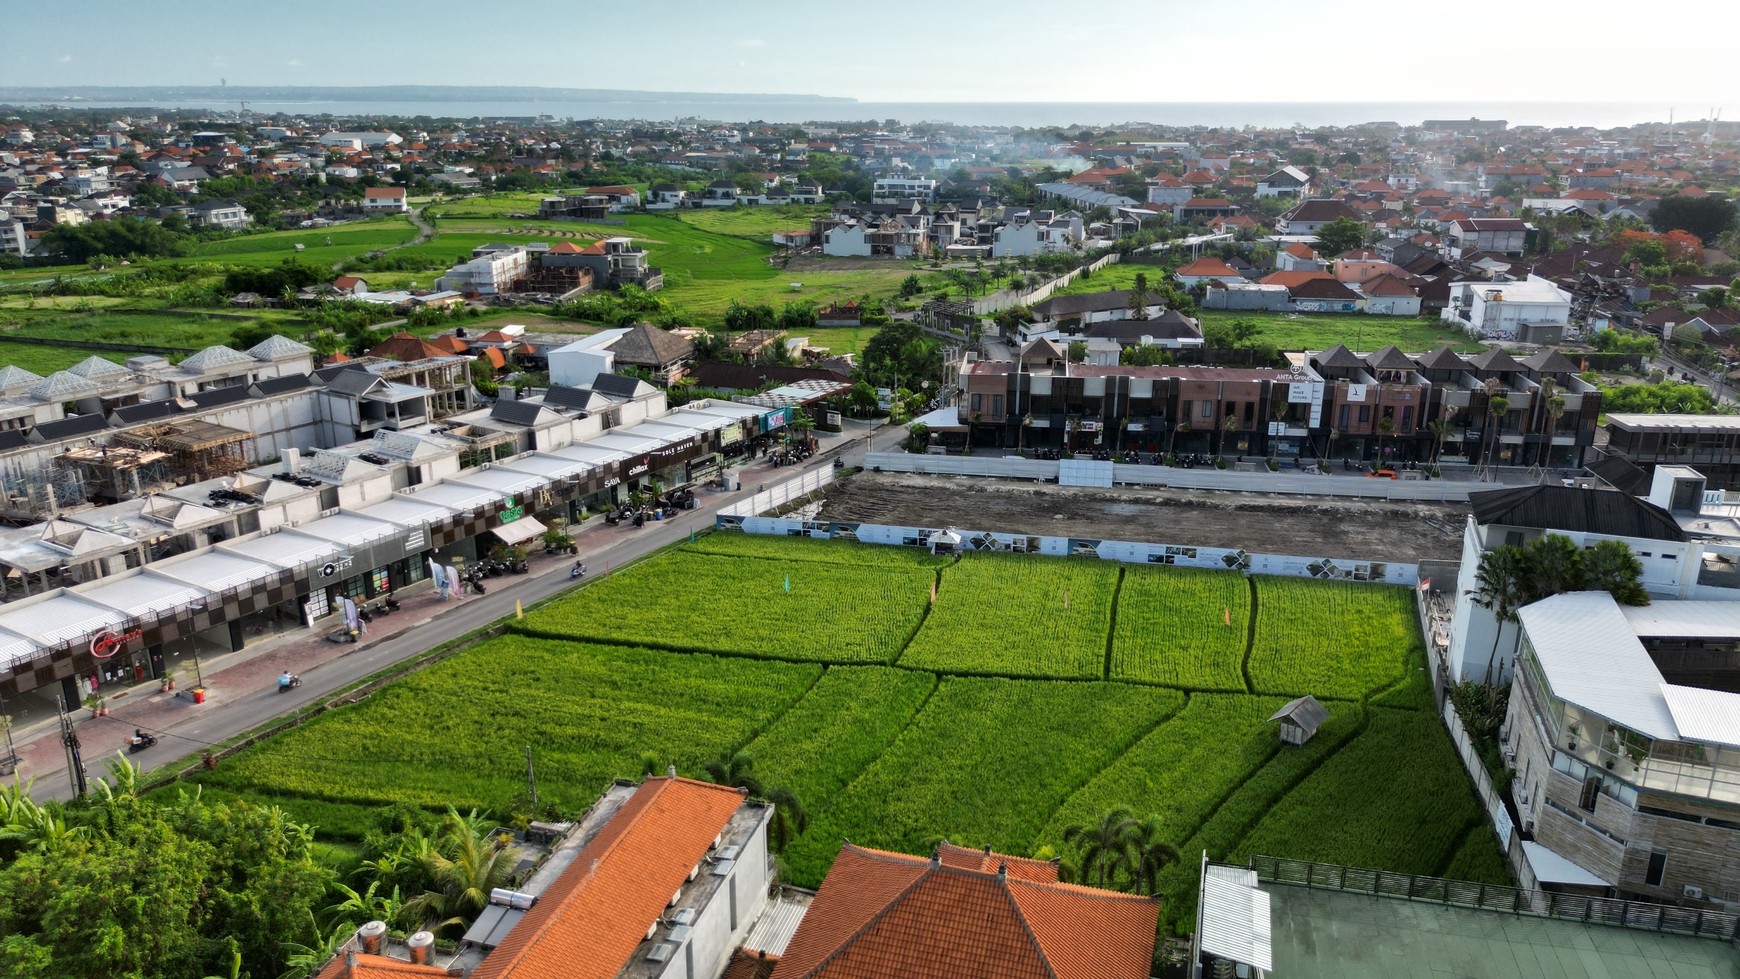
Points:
(244, 695)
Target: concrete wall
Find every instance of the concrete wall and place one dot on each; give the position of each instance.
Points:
(724, 922)
(1128, 552)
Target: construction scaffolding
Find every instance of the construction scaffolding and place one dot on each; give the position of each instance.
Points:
(30, 493)
(116, 472)
(195, 450)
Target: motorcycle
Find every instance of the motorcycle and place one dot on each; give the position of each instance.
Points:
(577, 571)
(140, 742)
(284, 686)
(520, 567)
(388, 605)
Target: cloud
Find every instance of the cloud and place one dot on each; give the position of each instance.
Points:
(65, 58)
(754, 42)
(294, 62)
(742, 64)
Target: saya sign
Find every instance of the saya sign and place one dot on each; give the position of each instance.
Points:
(109, 642)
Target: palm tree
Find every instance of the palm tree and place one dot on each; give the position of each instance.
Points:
(1501, 585)
(735, 770)
(1440, 434)
(1384, 426)
(1227, 426)
(1105, 845)
(1555, 565)
(1555, 411)
(789, 819)
(1139, 297)
(472, 865)
(1021, 433)
(1496, 408)
(1152, 854)
(1182, 428)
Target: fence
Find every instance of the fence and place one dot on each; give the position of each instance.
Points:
(770, 500)
(998, 301)
(1175, 477)
(1497, 897)
(1129, 552)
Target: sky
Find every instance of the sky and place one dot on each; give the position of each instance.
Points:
(969, 51)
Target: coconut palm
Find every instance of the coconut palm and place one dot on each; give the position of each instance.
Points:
(1555, 564)
(468, 866)
(1228, 425)
(1440, 434)
(1555, 411)
(735, 770)
(789, 819)
(1501, 586)
(1104, 845)
(1150, 854)
(1182, 428)
(1385, 427)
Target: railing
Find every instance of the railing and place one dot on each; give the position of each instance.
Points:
(1498, 897)
(769, 500)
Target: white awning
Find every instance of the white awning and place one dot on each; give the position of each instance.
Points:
(518, 532)
(1550, 868)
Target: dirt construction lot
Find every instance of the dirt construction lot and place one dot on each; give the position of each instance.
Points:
(1311, 527)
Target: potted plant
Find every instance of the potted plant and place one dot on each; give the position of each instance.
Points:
(1571, 736)
(166, 682)
(95, 703)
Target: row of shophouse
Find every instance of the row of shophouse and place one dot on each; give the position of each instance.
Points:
(1382, 406)
(157, 566)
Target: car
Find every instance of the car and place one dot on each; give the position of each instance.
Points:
(1384, 474)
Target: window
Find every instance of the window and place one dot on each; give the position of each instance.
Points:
(996, 406)
(1657, 865)
(976, 398)
(1208, 409)
(1364, 414)
(1591, 790)
(1342, 422)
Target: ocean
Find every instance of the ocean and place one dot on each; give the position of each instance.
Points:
(1604, 115)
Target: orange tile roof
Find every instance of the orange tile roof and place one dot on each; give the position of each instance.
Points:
(494, 356)
(375, 967)
(404, 346)
(1208, 266)
(1299, 249)
(986, 862)
(591, 920)
(452, 345)
(1293, 277)
(564, 248)
(888, 914)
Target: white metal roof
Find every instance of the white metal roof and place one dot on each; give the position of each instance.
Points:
(286, 549)
(596, 455)
(1704, 715)
(144, 593)
(57, 619)
(407, 511)
(15, 648)
(1550, 868)
(1705, 423)
(665, 430)
(498, 479)
(1592, 659)
(1685, 620)
(348, 529)
(455, 496)
(1236, 921)
(627, 443)
(546, 466)
(216, 570)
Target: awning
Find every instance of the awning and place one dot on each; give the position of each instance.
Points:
(1551, 868)
(518, 532)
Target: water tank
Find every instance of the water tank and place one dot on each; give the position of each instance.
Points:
(421, 946)
(371, 935)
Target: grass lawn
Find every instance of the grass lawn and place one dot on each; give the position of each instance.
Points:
(63, 302)
(842, 339)
(44, 360)
(1317, 331)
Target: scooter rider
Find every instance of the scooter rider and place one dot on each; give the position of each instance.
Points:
(285, 679)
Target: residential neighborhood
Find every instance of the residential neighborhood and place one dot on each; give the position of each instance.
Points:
(904, 526)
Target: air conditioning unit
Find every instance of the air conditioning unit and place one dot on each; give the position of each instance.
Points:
(1693, 891)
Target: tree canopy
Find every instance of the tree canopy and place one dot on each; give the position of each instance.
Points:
(1340, 235)
(1706, 217)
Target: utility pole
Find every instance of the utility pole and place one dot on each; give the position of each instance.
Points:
(69, 736)
(531, 780)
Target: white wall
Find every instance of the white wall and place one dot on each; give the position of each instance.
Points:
(577, 368)
(717, 931)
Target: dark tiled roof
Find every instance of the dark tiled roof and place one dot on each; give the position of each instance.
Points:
(1085, 302)
(1339, 356)
(621, 386)
(742, 377)
(1443, 359)
(515, 412)
(649, 346)
(268, 386)
(13, 438)
(1550, 362)
(1620, 473)
(145, 411)
(1390, 358)
(66, 428)
(1577, 510)
(1495, 360)
(217, 397)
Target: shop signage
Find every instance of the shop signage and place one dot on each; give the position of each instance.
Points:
(513, 512)
(631, 469)
(676, 451)
(109, 642)
(415, 541)
(337, 566)
(776, 419)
